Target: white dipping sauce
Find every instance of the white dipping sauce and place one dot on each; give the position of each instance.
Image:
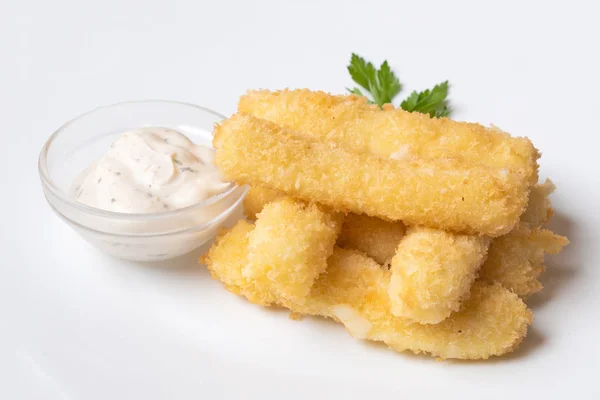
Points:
(150, 170)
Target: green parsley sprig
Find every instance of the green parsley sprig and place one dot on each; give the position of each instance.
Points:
(382, 86)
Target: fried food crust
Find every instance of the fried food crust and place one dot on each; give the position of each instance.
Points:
(373, 236)
(226, 260)
(448, 197)
(349, 120)
(516, 260)
(432, 273)
(289, 247)
(256, 199)
(539, 210)
(354, 291)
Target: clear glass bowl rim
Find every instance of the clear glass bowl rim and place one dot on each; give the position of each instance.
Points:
(66, 199)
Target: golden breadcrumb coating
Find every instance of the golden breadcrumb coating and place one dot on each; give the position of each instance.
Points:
(516, 260)
(432, 272)
(373, 236)
(289, 247)
(226, 260)
(354, 291)
(256, 199)
(350, 121)
(539, 210)
(445, 196)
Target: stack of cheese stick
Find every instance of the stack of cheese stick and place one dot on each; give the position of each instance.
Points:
(421, 233)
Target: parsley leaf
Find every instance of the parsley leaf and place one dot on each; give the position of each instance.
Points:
(433, 102)
(380, 83)
(362, 72)
(388, 82)
(383, 86)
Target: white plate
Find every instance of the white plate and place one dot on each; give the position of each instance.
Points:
(75, 324)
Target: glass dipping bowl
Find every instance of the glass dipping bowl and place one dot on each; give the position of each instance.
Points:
(139, 237)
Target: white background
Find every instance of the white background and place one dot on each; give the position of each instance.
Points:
(75, 324)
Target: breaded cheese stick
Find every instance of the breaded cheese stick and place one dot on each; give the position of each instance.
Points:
(354, 291)
(256, 198)
(539, 211)
(373, 236)
(350, 121)
(449, 197)
(226, 260)
(289, 247)
(516, 260)
(432, 273)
